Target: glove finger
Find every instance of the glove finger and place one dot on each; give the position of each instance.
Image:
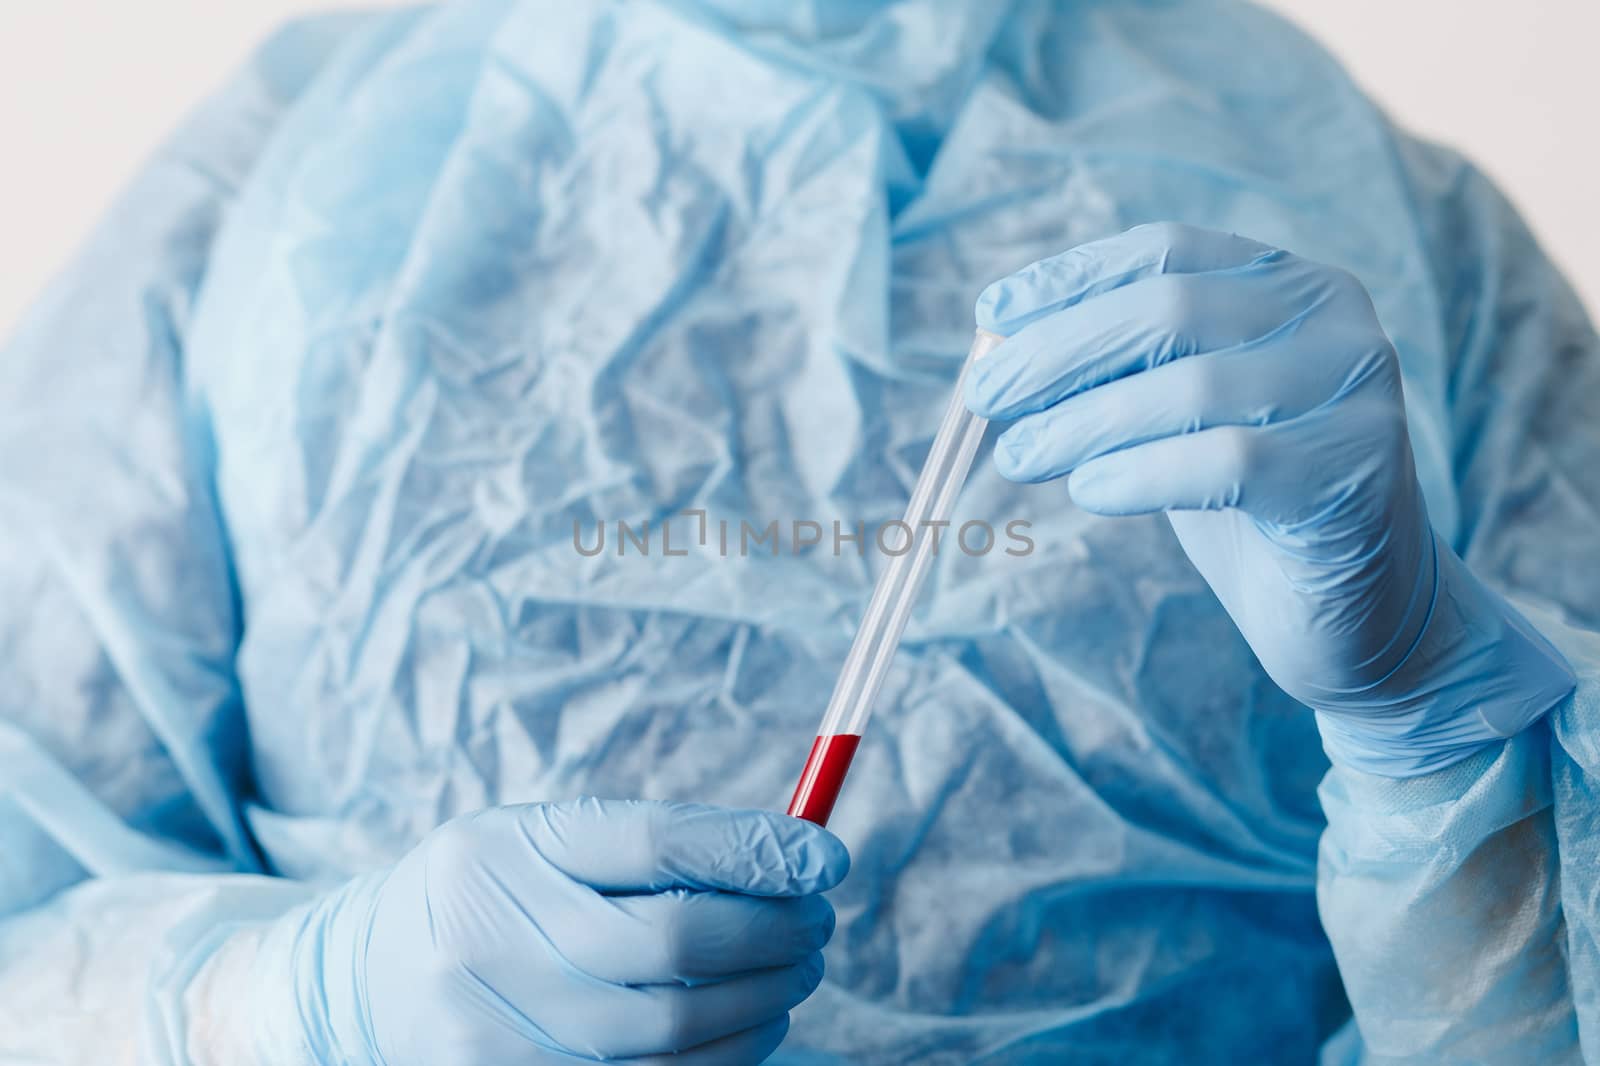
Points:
(1255, 385)
(1204, 471)
(751, 1045)
(1144, 326)
(626, 846)
(692, 937)
(663, 1019)
(1097, 267)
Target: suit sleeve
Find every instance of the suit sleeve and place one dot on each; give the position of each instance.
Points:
(123, 747)
(1457, 903)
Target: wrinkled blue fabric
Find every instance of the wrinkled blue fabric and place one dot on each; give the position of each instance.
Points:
(291, 458)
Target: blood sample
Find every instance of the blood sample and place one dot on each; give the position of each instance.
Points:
(932, 500)
(820, 781)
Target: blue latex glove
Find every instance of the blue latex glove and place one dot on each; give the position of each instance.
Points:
(1253, 396)
(569, 932)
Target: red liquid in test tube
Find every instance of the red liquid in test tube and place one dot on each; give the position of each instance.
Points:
(823, 776)
(932, 500)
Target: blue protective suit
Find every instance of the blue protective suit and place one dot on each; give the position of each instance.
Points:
(291, 458)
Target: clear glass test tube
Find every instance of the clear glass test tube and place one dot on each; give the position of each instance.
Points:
(932, 500)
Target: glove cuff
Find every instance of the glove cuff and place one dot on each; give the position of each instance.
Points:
(318, 953)
(1479, 673)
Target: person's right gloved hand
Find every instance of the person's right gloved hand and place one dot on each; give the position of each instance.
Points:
(571, 932)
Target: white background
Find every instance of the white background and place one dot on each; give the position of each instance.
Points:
(87, 87)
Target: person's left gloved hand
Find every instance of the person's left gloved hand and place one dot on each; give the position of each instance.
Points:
(1254, 396)
(542, 933)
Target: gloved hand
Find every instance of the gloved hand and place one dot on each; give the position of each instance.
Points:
(559, 933)
(1254, 396)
